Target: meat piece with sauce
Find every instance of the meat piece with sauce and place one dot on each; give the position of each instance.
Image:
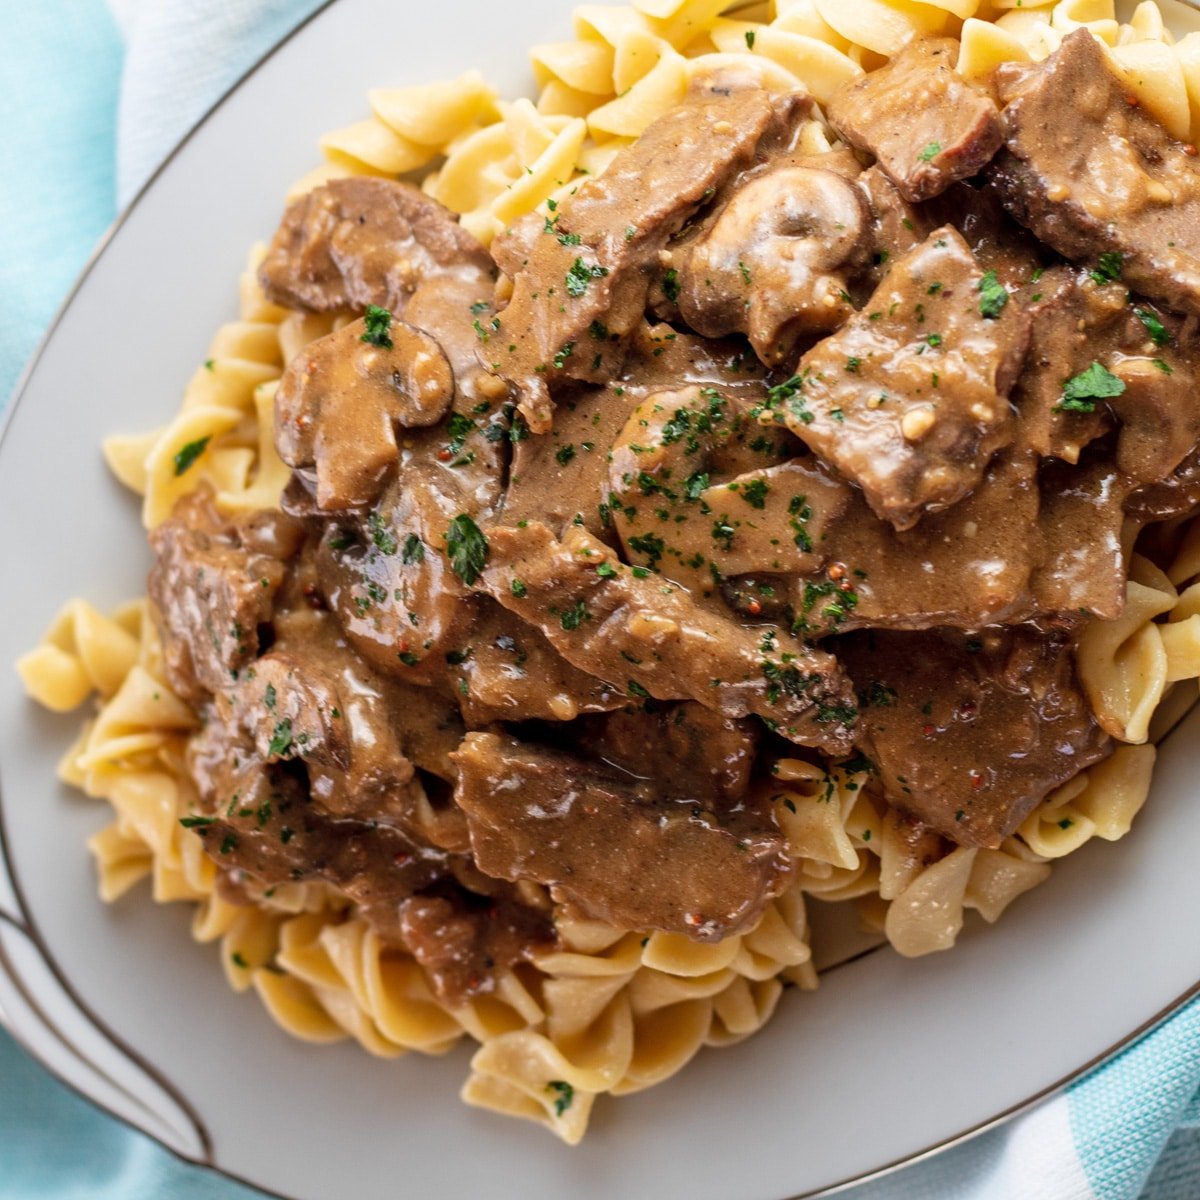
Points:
(591, 265)
(910, 398)
(969, 731)
(1093, 175)
(923, 122)
(213, 584)
(613, 847)
(355, 242)
(625, 625)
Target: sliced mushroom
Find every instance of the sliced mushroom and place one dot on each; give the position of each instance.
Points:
(340, 400)
(769, 265)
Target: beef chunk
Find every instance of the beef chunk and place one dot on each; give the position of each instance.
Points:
(1073, 320)
(1082, 564)
(1175, 496)
(922, 121)
(970, 731)
(652, 640)
(611, 847)
(340, 400)
(967, 567)
(910, 398)
(464, 942)
(591, 265)
(356, 242)
(774, 261)
(681, 749)
(506, 670)
(213, 584)
(1092, 175)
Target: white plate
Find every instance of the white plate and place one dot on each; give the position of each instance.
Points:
(889, 1059)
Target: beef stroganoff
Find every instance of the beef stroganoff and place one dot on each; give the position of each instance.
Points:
(763, 468)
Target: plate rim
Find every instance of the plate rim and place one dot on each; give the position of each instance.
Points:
(25, 923)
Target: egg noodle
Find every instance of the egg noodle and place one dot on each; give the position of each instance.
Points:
(612, 1010)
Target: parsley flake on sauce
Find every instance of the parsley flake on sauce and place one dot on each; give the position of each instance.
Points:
(581, 274)
(1154, 327)
(385, 541)
(414, 550)
(281, 740)
(993, 297)
(1081, 393)
(196, 822)
(468, 548)
(930, 152)
(188, 454)
(1108, 267)
(378, 321)
(670, 285)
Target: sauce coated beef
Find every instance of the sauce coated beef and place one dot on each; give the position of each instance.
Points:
(751, 448)
(1090, 173)
(543, 814)
(920, 119)
(969, 731)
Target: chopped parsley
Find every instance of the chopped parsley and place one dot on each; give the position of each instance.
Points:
(518, 589)
(636, 689)
(750, 39)
(931, 151)
(188, 454)
(581, 274)
(196, 822)
(993, 297)
(378, 321)
(1164, 366)
(381, 535)
(281, 740)
(468, 548)
(1108, 267)
(564, 455)
(1081, 393)
(1154, 327)
(574, 616)
(564, 1095)
(414, 550)
(670, 285)
(755, 493)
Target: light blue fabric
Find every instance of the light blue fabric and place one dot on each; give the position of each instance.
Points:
(66, 71)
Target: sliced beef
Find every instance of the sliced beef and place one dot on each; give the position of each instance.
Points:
(507, 670)
(592, 263)
(775, 260)
(464, 941)
(966, 567)
(923, 122)
(683, 750)
(559, 476)
(969, 732)
(608, 845)
(1175, 496)
(355, 242)
(910, 398)
(1093, 175)
(1073, 322)
(342, 398)
(1082, 563)
(624, 625)
(213, 584)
